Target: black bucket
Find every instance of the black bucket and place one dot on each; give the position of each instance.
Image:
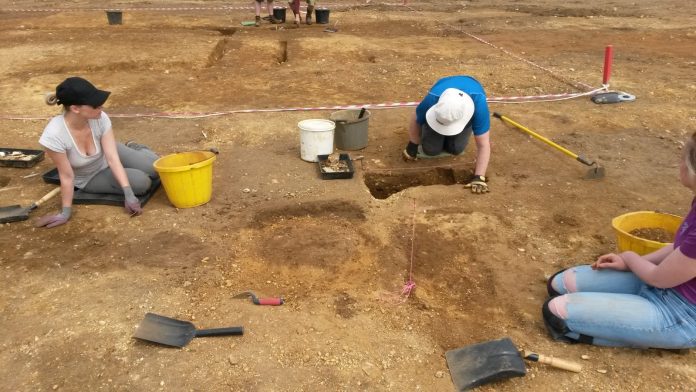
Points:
(322, 15)
(115, 17)
(279, 13)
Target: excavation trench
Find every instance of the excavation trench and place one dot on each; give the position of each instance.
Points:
(384, 184)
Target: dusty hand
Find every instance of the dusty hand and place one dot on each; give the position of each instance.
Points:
(477, 184)
(610, 261)
(133, 207)
(132, 204)
(50, 221)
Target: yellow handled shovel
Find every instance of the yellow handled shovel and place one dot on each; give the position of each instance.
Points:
(595, 172)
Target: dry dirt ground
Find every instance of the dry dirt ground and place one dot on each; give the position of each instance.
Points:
(72, 296)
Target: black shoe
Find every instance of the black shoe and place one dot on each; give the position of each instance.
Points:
(549, 288)
(136, 146)
(267, 17)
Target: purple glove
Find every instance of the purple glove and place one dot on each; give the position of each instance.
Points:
(132, 203)
(50, 221)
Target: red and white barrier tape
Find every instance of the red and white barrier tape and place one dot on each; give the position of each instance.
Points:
(579, 85)
(387, 105)
(589, 90)
(218, 8)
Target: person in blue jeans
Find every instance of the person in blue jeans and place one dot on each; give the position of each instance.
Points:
(453, 110)
(628, 300)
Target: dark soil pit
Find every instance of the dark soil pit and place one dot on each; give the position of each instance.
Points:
(383, 185)
(345, 305)
(653, 234)
(310, 242)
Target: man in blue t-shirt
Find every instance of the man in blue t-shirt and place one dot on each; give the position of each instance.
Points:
(454, 108)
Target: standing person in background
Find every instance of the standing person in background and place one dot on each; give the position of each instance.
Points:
(82, 145)
(269, 7)
(454, 109)
(295, 7)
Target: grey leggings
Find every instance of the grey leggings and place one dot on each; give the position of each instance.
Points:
(139, 169)
(433, 143)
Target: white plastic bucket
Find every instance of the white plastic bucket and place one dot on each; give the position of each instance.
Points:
(316, 138)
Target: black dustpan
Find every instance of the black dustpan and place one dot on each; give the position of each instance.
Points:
(481, 363)
(176, 333)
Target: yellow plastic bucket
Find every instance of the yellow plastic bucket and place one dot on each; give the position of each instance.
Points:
(624, 224)
(187, 177)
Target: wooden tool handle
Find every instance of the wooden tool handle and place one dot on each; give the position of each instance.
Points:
(48, 196)
(560, 363)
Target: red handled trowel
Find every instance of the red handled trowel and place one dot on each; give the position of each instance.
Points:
(273, 301)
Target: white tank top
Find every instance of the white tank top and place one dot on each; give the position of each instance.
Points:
(56, 137)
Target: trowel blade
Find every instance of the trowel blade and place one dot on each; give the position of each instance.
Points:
(14, 213)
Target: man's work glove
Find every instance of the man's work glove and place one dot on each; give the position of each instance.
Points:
(477, 184)
(50, 221)
(132, 203)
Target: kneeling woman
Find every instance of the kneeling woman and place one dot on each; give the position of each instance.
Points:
(81, 144)
(628, 300)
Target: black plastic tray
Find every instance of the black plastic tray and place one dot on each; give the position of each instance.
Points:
(38, 156)
(336, 175)
(82, 197)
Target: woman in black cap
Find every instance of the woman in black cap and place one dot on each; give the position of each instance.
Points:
(82, 145)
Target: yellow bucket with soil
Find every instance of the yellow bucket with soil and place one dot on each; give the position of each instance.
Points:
(644, 221)
(187, 177)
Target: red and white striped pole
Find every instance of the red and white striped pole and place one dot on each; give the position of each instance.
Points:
(608, 59)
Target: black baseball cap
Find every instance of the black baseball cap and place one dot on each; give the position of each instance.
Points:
(78, 91)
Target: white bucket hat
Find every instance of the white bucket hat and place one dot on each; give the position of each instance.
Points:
(451, 113)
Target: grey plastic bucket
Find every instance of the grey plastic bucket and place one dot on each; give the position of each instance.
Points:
(115, 17)
(351, 131)
(279, 13)
(322, 15)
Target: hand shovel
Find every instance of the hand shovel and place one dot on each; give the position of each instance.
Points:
(481, 363)
(176, 333)
(18, 213)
